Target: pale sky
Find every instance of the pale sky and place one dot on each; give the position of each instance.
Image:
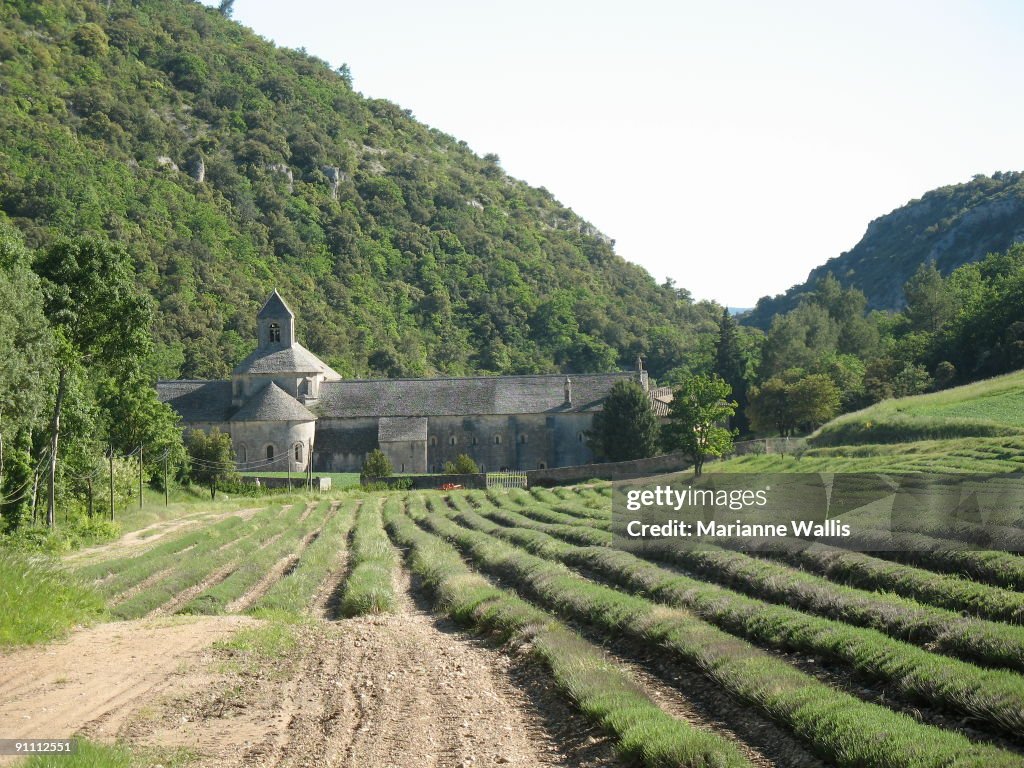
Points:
(731, 145)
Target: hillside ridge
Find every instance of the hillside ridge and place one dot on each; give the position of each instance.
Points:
(953, 225)
(228, 166)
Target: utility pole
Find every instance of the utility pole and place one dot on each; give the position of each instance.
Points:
(110, 456)
(289, 469)
(166, 501)
(140, 475)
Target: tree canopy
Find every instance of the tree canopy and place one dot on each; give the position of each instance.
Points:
(626, 427)
(700, 407)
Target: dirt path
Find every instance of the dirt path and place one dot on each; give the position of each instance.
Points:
(102, 675)
(398, 690)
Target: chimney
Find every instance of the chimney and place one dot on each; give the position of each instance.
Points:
(568, 391)
(641, 374)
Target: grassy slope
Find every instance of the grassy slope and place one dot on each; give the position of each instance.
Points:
(985, 408)
(978, 427)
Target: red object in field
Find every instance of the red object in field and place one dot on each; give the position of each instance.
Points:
(451, 487)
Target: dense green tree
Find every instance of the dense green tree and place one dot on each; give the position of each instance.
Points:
(799, 339)
(700, 406)
(794, 401)
(377, 464)
(731, 367)
(211, 458)
(98, 315)
(626, 426)
(463, 465)
(26, 351)
(929, 299)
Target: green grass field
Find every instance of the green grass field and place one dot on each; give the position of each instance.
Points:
(990, 408)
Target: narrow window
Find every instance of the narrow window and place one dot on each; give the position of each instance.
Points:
(241, 453)
(579, 437)
(497, 439)
(522, 439)
(275, 332)
(452, 440)
(270, 452)
(475, 441)
(433, 440)
(298, 451)
(542, 465)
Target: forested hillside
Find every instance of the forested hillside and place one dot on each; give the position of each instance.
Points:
(227, 167)
(950, 226)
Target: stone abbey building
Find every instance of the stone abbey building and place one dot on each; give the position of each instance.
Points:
(285, 408)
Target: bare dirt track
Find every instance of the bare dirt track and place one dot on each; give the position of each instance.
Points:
(100, 677)
(397, 690)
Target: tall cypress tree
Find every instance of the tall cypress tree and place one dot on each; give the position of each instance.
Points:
(731, 365)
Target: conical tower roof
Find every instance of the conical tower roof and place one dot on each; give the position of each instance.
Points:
(273, 404)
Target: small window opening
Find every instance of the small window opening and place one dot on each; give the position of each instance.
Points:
(275, 332)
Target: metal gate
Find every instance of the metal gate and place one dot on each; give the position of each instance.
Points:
(506, 479)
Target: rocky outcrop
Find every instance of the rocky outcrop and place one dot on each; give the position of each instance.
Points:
(335, 176)
(285, 171)
(199, 170)
(949, 226)
(165, 162)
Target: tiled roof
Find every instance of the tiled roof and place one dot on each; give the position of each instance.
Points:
(392, 429)
(340, 440)
(274, 306)
(293, 359)
(197, 400)
(273, 404)
(476, 395)
(662, 393)
(660, 407)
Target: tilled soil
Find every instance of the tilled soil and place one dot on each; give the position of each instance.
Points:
(395, 690)
(398, 690)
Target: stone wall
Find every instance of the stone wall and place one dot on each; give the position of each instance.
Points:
(431, 482)
(495, 443)
(320, 484)
(252, 439)
(406, 455)
(618, 470)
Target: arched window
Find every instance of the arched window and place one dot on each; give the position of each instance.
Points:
(433, 440)
(241, 454)
(298, 451)
(475, 441)
(542, 465)
(275, 332)
(522, 439)
(579, 437)
(497, 439)
(270, 452)
(452, 440)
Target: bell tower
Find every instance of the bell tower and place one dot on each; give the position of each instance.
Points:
(275, 324)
